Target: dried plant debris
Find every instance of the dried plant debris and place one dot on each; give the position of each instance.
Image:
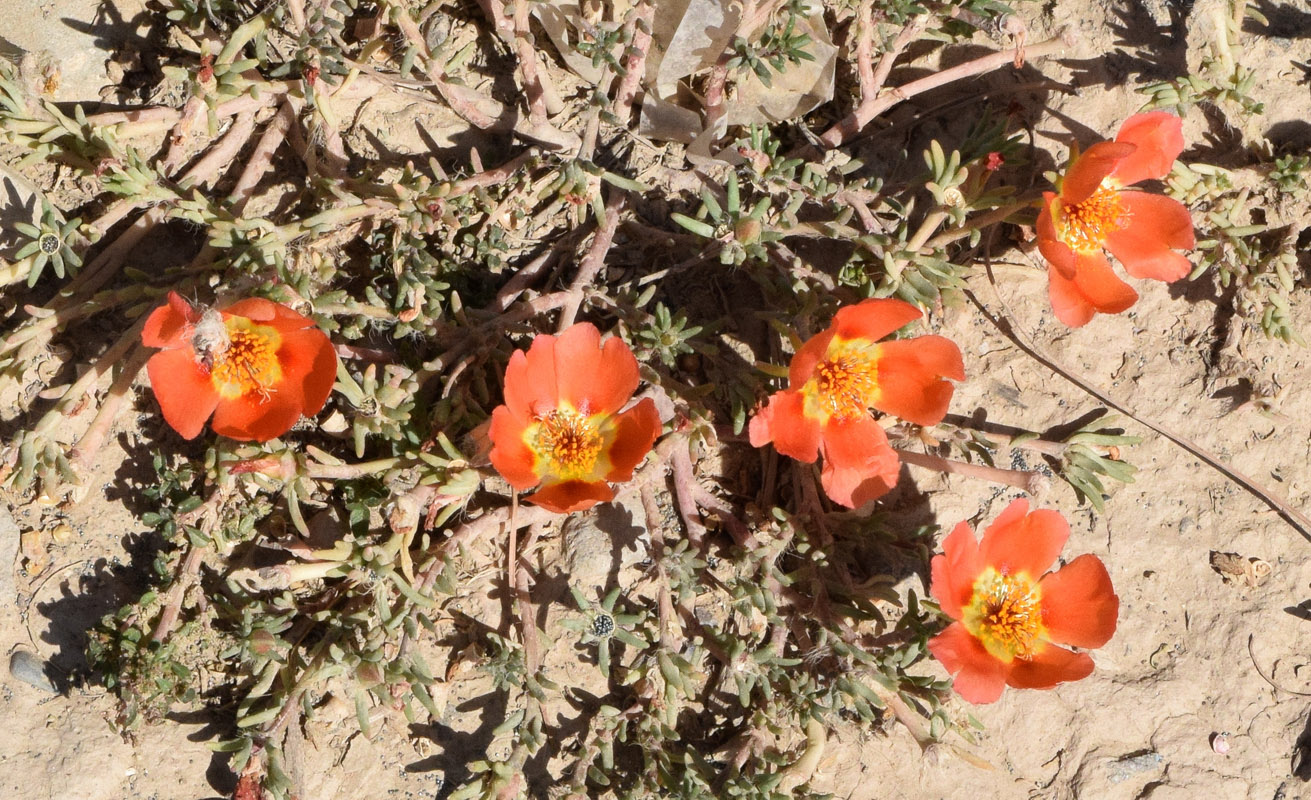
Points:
(1240, 571)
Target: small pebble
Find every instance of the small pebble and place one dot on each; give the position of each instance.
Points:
(25, 666)
(1220, 742)
(61, 533)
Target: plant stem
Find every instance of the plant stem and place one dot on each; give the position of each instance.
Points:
(1032, 482)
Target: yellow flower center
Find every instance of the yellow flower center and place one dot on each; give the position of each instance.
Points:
(247, 362)
(845, 383)
(1005, 614)
(567, 444)
(1084, 226)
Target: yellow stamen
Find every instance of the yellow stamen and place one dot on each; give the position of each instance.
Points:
(1084, 226)
(249, 362)
(1005, 614)
(567, 444)
(845, 383)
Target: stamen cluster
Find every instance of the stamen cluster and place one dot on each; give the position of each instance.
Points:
(570, 441)
(248, 365)
(845, 385)
(1084, 226)
(1005, 613)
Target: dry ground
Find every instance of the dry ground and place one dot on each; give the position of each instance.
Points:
(1185, 664)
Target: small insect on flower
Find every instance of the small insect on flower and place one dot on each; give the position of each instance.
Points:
(838, 376)
(1009, 615)
(562, 428)
(255, 366)
(210, 337)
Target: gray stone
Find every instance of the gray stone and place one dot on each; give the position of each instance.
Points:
(28, 668)
(605, 539)
(1124, 768)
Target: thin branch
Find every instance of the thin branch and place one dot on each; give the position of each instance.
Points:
(595, 259)
(871, 107)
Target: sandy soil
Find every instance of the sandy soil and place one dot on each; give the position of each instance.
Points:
(1185, 665)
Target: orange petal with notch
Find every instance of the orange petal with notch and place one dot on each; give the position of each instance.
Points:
(955, 570)
(1159, 139)
(1095, 288)
(530, 382)
(167, 325)
(1048, 667)
(859, 464)
(1158, 225)
(510, 453)
(1057, 253)
(183, 390)
(873, 319)
(1079, 605)
(267, 312)
(1029, 543)
(592, 378)
(784, 422)
(569, 496)
(255, 417)
(1091, 168)
(309, 362)
(810, 354)
(854, 488)
(977, 676)
(636, 429)
(911, 378)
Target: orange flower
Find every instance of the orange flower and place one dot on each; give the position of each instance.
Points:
(1092, 213)
(256, 366)
(1009, 613)
(837, 376)
(561, 425)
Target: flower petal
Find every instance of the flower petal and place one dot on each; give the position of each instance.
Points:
(309, 362)
(784, 422)
(810, 354)
(873, 319)
(858, 443)
(183, 389)
(1159, 137)
(1029, 543)
(1057, 253)
(510, 453)
(255, 417)
(854, 488)
(167, 325)
(592, 378)
(569, 496)
(267, 312)
(859, 464)
(1157, 224)
(1048, 667)
(1079, 605)
(978, 677)
(955, 570)
(1095, 288)
(530, 386)
(636, 429)
(1091, 168)
(911, 376)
